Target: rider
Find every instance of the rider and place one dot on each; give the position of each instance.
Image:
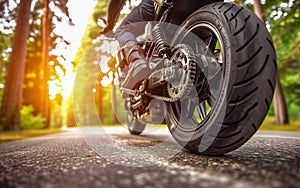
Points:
(127, 32)
(114, 8)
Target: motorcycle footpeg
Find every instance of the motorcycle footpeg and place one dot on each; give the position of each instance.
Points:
(127, 92)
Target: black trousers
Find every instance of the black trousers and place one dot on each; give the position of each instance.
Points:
(133, 25)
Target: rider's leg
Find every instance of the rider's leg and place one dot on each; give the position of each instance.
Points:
(138, 66)
(133, 26)
(114, 8)
(113, 12)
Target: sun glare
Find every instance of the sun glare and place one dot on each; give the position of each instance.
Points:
(68, 83)
(105, 81)
(72, 34)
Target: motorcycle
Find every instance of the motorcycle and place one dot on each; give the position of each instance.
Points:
(212, 78)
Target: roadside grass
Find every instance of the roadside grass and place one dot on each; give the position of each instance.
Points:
(269, 124)
(25, 134)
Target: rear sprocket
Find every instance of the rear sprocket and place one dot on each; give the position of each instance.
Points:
(185, 67)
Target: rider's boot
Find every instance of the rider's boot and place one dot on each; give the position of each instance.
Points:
(138, 66)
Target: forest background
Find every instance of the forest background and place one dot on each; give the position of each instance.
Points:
(37, 75)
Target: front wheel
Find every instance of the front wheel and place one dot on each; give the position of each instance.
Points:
(234, 84)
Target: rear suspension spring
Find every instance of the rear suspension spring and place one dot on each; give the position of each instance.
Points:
(161, 41)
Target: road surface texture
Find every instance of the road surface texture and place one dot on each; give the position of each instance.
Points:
(92, 158)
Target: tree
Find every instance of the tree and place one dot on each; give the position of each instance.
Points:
(259, 11)
(87, 71)
(83, 92)
(41, 64)
(112, 67)
(12, 98)
(7, 20)
(45, 108)
(85, 59)
(99, 96)
(70, 120)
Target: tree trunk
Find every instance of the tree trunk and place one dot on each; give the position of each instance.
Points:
(1, 64)
(70, 116)
(114, 102)
(259, 11)
(45, 107)
(281, 114)
(100, 98)
(87, 114)
(10, 117)
(280, 108)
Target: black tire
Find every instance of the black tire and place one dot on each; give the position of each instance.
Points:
(249, 72)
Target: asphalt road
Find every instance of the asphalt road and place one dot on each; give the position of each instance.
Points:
(93, 158)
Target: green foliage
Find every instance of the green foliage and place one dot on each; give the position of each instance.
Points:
(83, 95)
(91, 32)
(32, 88)
(29, 120)
(33, 70)
(7, 13)
(87, 61)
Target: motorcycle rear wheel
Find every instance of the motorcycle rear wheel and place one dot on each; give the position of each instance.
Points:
(214, 123)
